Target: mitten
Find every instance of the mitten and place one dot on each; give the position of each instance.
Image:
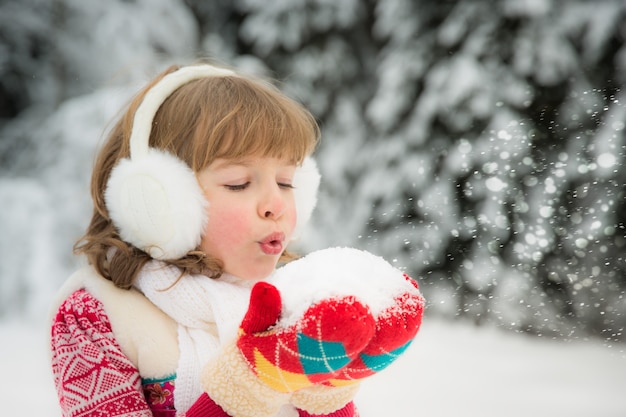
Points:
(392, 297)
(325, 400)
(347, 410)
(291, 356)
(396, 327)
(228, 381)
(271, 358)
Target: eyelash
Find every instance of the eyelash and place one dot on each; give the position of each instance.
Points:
(238, 187)
(241, 187)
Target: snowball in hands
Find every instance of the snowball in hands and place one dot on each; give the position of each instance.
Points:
(393, 299)
(312, 331)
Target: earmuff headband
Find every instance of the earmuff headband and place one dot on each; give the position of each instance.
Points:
(154, 98)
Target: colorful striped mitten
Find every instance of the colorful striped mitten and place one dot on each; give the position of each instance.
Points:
(393, 299)
(287, 357)
(396, 326)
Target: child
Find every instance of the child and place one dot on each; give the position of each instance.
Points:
(197, 191)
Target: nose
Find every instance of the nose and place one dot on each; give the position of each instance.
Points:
(272, 203)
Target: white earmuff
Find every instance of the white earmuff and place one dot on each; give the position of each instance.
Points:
(154, 198)
(306, 181)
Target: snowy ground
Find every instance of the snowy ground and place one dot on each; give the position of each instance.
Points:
(451, 370)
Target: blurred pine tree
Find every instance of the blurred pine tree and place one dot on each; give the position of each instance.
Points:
(480, 144)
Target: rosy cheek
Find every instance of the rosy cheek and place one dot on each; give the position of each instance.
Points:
(236, 227)
(226, 225)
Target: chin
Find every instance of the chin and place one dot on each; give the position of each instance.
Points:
(262, 275)
(256, 275)
(253, 269)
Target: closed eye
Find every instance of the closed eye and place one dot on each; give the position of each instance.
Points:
(237, 187)
(285, 185)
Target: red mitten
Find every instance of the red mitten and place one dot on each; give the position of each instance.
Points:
(392, 297)
(396, 326)
(291, 356)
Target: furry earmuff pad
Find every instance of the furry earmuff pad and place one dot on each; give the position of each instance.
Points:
(306, 181)
(157, 204)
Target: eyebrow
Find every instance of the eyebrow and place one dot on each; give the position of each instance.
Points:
(228, 163)
(242, 162)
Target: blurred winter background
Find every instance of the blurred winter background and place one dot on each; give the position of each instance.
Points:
(480, 145)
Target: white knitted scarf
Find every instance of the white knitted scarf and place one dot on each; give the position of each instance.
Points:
(208, 312)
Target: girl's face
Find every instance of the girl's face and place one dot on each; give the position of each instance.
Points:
(251, 213)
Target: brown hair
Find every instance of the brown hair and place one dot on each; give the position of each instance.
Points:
(228, 117)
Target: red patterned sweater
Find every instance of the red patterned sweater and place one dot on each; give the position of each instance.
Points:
(94, 378)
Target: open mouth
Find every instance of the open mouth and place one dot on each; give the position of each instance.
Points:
(272, 244)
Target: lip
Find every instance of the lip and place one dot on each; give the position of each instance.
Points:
(272, 244)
